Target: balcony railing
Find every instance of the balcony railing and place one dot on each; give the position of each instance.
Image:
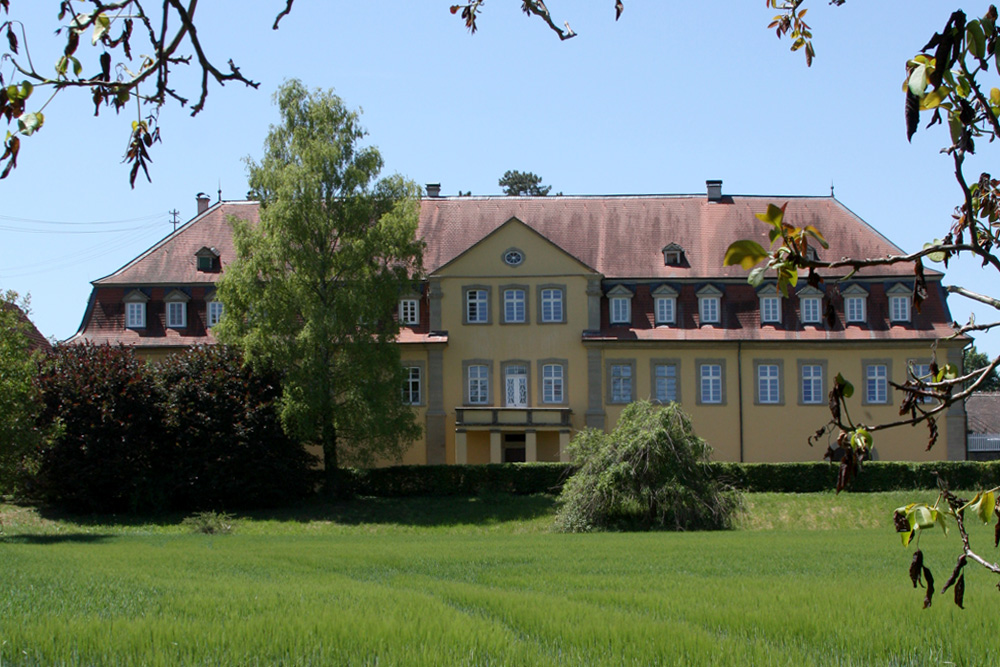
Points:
(489, 416)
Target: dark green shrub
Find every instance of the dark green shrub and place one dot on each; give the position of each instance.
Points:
(209, 523)
(228, 449)
(109, 409)
(457, 480)
(651, 472)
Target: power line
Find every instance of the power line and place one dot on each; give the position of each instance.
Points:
(74, 223)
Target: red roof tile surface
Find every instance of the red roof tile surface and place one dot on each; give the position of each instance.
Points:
(35, 338)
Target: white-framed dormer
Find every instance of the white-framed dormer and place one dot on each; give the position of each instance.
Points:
(673, 255)
(900, 303)
(855, 304)
(620, 305)
(207, 259)
(409, 310)
(213, 309)
(665, 305)
(770, 304)
(709, 305)
(810, 305)
(176, 305)
(135, 309)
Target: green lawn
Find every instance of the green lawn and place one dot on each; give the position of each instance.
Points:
(811, 579)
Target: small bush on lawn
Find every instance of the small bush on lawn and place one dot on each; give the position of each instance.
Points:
(651, 472)
(209, 523)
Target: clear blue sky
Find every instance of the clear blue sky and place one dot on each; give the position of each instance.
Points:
(669, 96)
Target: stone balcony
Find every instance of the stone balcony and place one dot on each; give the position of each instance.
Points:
(466, 417)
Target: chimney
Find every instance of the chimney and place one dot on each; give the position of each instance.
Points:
(433, 189)
(202, 202)
(714, 190)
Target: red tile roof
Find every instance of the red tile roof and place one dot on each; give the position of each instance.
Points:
(983, 411)
(35, 338)
(622, 236)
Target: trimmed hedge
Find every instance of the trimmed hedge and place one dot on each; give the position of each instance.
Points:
(527, 478)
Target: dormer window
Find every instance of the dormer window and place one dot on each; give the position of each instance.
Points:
(673, 255)
(810, 305)
(135, 310)
(177, 302)
(409, 312)
(899, 303)
(620, 305)
(665, 305)
(207, 259)
(855, 304)
(709, 305)
(770, 305)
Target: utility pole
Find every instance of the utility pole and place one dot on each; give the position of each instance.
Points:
(174, 213)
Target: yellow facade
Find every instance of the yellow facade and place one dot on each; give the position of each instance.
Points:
(740, 427)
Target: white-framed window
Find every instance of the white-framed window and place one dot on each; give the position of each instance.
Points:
(176, 314)
(877, 383)
(899, 308)
(621, 310)
(409, 312)
(666, 309)
(770, 309)
(711, 383)
(479, 384)
(812, 384)
(135, 314)
(621, 383)
(411, 385)
(552, 383)
(215, 310)
(810, 308)
(769, 383)
(514, 305)
(708, 309)
(477, 306)
(922, 372)
(854, 308)
(665, 382)
(552, 304)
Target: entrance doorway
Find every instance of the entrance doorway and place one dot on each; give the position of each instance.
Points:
(514, 448)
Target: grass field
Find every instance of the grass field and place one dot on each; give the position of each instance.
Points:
(811, 579)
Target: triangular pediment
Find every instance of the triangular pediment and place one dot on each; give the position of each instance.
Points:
(514, 250)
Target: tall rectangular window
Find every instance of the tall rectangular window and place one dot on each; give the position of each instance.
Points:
(621, 310)
(135, 315)
(711, 383)
(708, 309)
(409, 312)
(877, 383)
(513, 306)
(214, 312)
(665, 382)
(621, 383)
(411, 385)
(810, 307)
(477, 309)
(899, 308)
(812, 383)
(552, 305)
(854, 307)
(770, 309)
(176, 314)
(922, 372)
(768, 383)
(666, 310)
(552, 383)
(479, 385)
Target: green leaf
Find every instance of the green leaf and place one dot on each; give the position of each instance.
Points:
(923, 516)
(917, 81)
(746, 253)
(982, 505)
(934, 98)
(847, 388)
(813, 232)
(947, 372)
(995, 96)
(30, 123)
(101, 26)
(861, 438)
(955, 127)
(773, 216)
(756, 276)
(935, 256)
(975, 39)
(907, 536)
